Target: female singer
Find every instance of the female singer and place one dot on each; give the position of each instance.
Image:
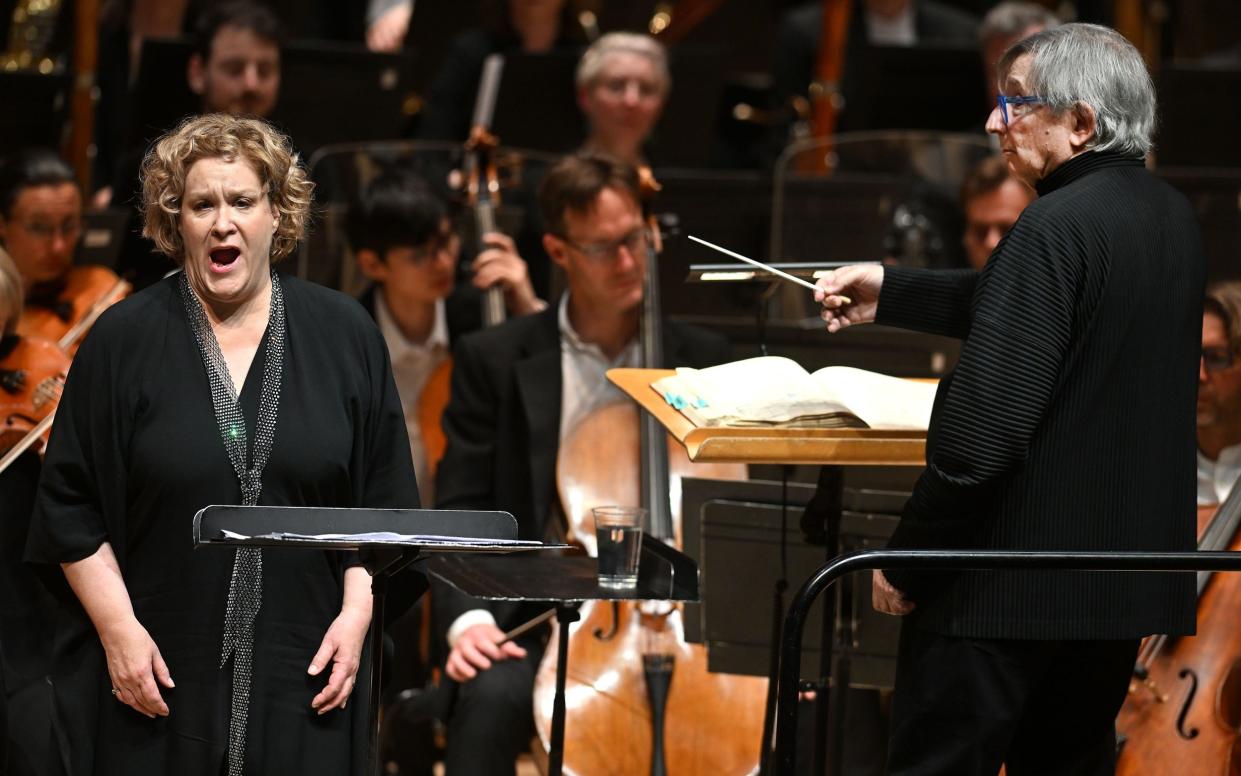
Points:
(223, 384)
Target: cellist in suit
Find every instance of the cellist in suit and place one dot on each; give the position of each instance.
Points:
(517, 390)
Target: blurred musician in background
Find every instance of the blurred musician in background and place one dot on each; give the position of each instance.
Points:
(40, 226)
(992, 199)
(531, 26)
(402, 235)
(1219, 394)
(622, 84)
(235, 67)
(871, 23)
(1003, 26)
(40, 220)
(517, 390)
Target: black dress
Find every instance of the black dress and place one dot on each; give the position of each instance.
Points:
(135, 453)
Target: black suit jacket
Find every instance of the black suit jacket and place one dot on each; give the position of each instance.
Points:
(503, 428)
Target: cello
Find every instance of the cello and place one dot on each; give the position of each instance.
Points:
(639, 695)
(480, 180)
(1182, 716)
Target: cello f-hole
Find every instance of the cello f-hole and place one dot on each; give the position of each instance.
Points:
(1192, 733)
(610, 634)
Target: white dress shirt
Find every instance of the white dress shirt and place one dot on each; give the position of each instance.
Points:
(584, 388)
(1216, 478)
(412, 365)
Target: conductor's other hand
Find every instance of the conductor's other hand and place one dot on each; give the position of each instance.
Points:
(476, 649)
(887, 599)
(499, 262)
(849, 295)
(135, 666)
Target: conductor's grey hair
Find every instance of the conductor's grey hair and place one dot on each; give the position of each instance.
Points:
(1013, 17)
(1077, 64)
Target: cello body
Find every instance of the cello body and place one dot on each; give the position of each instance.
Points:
(712, 722)
(1184, 717)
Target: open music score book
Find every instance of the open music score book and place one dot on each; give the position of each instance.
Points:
(772, 391)
(772, 443)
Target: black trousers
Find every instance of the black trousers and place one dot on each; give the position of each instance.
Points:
(491, 720)
(1042, 708)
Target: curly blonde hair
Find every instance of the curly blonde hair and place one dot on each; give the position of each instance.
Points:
(220, 136)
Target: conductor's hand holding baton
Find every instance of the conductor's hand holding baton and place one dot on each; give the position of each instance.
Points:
(849, 295)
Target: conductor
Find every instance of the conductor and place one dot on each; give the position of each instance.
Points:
(1068, 424)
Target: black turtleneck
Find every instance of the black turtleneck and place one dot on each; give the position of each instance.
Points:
(1068, 423)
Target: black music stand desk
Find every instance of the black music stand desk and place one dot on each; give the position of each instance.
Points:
(405, 537)
(567, 581)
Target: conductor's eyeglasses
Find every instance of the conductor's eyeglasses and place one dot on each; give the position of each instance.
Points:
(1216, 359)
(633, 242)
(1016, 106)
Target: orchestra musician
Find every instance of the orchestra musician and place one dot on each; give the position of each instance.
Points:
(517, 390)
(1219, 394)
(1065, 426)
(992, 199)
(1004, 25)
(622, 84)
(187, 662)
(40, 227)
(403, 240)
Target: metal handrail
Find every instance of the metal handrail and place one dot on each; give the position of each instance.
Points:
(954, 560)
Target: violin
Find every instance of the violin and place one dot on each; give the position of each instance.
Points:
(1182, 716)
(64, 312)
(32, 376)
(640, 696)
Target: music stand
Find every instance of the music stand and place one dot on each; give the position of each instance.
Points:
(664, 574)
(832, 449)
(411, 535)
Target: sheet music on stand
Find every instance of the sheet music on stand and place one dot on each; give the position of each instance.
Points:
(388, 541)
(423, 541)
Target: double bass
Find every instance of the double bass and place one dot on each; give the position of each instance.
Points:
(1182, 716)
(639, 697)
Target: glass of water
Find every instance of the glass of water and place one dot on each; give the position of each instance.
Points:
(618, 533)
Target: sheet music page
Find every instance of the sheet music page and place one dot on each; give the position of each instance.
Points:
(386, 536)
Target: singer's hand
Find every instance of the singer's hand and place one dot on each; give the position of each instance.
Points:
(849, 295)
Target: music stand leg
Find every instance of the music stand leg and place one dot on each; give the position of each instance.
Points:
(381, 573)
(829, 705)
(379, 589)
(566, 614)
